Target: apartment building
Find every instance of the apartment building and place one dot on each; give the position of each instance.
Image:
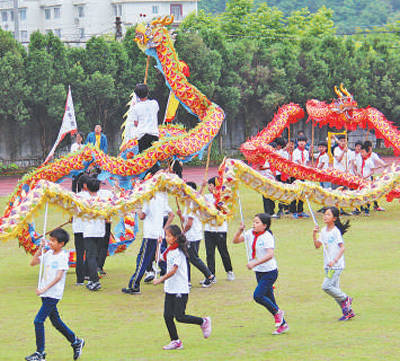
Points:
(76, 21)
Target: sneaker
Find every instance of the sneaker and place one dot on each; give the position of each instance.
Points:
(304, 215)
(280, 214)
(102, 272)
(276, 216)
(77, 346)
(366, 211)
(174, 345)
(131, 291)
(79, 284)
(37, 356)
(343, 305)
(214, 280)
(347, 316)
(356, 212)
(206, 327)
(379, 209)
(208, 282)
(296, 215)
(281, 329)
(149, 276)
(349, 302)
(230, 276)
(278, 318)
(87, 278)
(93, 286)
(190, 285)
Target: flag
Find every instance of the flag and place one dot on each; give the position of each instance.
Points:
(68, 124)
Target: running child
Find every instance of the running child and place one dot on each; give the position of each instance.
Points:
(176, 288)
(51, 289)
(331, 240)
(260, 245)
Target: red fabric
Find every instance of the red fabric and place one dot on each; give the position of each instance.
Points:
(319, 157)
(170, 248)
(253, 246)
(363, 164)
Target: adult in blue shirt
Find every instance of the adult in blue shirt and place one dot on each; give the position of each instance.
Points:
(98, 139)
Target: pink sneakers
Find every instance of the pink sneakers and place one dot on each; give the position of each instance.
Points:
(281, 329)
(206, 327)
(279, 318)
(174, 345)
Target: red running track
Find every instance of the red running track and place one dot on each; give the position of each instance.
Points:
(7, 184)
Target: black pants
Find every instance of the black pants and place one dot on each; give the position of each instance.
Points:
(103, 247)
(175, 307)
(91, 247)
(79, 251)
(296, 206)
(76, 186)
(217, 239)
(269, 206)
(194, 259)
(146, 141)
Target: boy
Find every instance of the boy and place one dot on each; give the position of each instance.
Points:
(215, 236)
(300, 156)
(50, 289)
(152, 215)
(193, 230)
(366, 169)
(322, 161)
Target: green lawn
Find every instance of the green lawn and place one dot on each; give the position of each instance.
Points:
(122, 327)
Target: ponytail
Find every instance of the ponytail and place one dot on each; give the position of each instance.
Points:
(180, 238)
(343, 227)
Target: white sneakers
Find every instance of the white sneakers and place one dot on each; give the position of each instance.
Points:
(230, 276)
(206, 327)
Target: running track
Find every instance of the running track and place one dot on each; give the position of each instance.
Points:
(7, 184)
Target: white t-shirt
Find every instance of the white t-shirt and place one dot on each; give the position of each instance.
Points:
(367, 170)
(357, 162)
(264, 241)
(195, 233)
(77, 222)
(375, 158)
(155, 210)
(145, 113)
(76, 146)
(324, 160)
(299, 158)
(283, 153)
(209, 228)
(331, 241)
(267, 172)
(52, 263)
(93, 228)
(341, 166)
(178, 283)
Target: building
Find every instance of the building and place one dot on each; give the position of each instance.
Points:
(75, 21)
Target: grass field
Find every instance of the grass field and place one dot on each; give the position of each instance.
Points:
(122, 327)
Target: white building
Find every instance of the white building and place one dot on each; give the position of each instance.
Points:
(78, 20)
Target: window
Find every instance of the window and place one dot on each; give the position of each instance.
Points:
(24, 35)
(22, 14)
(176, 10)
(81, 33)
(120, 10)
(57, 13)
(4, 15)
(81, 11)
(11, 15)
(117, 10)
(47, 14)
(57, 32)
(155, 9)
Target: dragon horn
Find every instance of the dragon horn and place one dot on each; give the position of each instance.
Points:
(166, 20)
(338, 93)
(344, 90)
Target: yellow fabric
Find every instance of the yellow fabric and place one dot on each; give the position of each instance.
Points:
(98, 137)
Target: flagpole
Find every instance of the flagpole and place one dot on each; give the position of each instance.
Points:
(44, 242)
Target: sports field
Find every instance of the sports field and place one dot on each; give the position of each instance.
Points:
(121, 327)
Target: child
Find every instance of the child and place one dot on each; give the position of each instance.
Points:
(260, 246)
(94, 231)
(300, 156)
(152, 215)
(50, 289)
(176, 288)
(322, 161)
(366, 169)
(215, 236)
(77, 228)
(194, 233)
(331, 240)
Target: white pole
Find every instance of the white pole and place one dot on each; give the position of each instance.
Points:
(242, 219)
(312, 212)
(44, 241)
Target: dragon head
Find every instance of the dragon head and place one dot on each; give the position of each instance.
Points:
(151, 35)
(345, 101)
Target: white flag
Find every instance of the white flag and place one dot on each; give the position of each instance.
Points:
(68, 124)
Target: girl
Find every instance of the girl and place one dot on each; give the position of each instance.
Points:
(331, 240)
(260, 246)
(176, 288)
